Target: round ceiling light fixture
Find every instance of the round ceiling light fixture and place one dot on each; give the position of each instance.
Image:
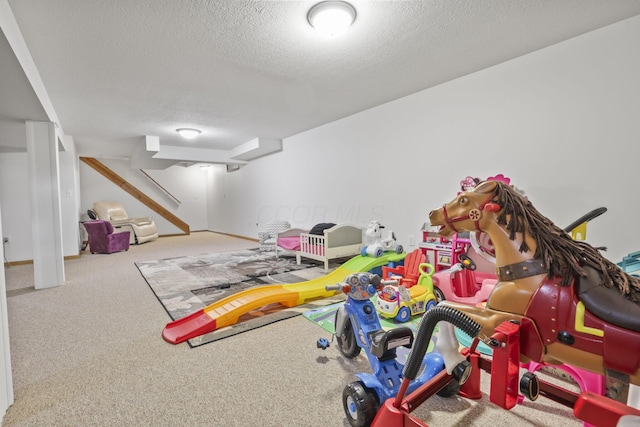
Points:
(188, 133)
(332, 18)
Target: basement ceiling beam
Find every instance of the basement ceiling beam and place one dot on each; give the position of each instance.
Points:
(149, 153)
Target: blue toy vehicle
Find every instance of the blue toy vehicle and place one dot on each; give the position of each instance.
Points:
(631, 264)
(358, 328)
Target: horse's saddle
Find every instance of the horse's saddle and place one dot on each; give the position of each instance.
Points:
(607, 303)
(587, 316)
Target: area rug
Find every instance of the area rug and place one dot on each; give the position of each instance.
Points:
(185, 285)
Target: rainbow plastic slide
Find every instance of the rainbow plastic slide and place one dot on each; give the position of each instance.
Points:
(227, 311)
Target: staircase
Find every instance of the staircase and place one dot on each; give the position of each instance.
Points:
(135, 192)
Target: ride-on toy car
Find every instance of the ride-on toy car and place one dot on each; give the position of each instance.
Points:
(358, 328)
(460, 283)
(400, 303)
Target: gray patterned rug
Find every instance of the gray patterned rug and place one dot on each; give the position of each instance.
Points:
(187, 284)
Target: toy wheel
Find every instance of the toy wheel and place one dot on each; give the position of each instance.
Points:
(399, 249)
(431, 304)
(439, 294)
(461, 372)
(378, 253)
(449, 390)
(403, 314)
(363, 251)
(360, 404)
(460, 375)
(347, 341)
(530, 386)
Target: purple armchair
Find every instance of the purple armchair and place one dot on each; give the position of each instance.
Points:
(102, 239)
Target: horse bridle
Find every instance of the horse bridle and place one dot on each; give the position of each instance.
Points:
(474, 214)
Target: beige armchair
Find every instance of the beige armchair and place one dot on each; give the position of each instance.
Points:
(141, 229)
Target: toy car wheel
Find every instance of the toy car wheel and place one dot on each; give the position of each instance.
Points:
(399, 249)
(530, 386)
(431, 304)
(449, 390)
(379, 253)
(460, 375)
(403, 314)
(360, 404)
(439, 294)
(347, 341)
(363, 251)
(461, 372)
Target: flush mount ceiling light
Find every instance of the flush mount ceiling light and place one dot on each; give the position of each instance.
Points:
(188, 133)
(332, 18)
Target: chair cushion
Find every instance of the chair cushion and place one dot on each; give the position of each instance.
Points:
(116, 214)
(104, 210)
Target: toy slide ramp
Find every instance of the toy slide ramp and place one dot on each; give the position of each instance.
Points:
(227, 311)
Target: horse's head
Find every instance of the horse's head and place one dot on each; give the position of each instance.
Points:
(373, 229)
(469, 211)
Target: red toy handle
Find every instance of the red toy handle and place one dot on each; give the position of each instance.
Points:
(492, 207)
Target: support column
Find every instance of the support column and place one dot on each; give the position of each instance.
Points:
(44, 189)
(6, 378)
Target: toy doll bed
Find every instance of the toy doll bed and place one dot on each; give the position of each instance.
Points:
(288, 241)
(339, 241)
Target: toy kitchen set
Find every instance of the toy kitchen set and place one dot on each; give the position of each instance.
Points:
(442, 252)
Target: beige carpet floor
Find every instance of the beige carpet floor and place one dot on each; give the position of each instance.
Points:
(90, 353)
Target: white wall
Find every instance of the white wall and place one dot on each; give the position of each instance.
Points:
(562, 122)
(216, 198)
(6, 377)
(69, 198)
(16, 207)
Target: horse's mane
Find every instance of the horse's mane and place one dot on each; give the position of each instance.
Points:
(561, 255)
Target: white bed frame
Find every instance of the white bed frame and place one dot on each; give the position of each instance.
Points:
(339, 241)
(291, 232)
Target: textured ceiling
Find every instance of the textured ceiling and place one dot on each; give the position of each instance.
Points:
(238, 69)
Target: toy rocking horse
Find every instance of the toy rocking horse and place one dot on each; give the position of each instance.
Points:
(573, 306)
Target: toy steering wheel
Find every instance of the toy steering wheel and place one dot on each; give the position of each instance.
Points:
(467, 262)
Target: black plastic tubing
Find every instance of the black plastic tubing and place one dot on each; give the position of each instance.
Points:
(440, 313)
